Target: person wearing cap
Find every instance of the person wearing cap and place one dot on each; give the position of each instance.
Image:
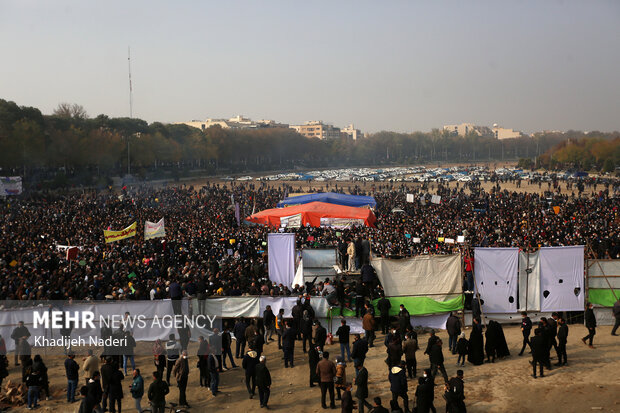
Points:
(263, 382)
(361, 381)
(250, 360)
(398, 385)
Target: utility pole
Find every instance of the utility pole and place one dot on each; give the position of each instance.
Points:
(130, 108)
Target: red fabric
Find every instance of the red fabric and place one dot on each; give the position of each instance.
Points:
(312, 213)
(72, 253)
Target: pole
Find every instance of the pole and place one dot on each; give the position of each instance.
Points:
(473, 273)
(128, 158)
(527, 278)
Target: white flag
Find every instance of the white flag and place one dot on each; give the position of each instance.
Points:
(410, 198)
(436, 199)
(154, 229)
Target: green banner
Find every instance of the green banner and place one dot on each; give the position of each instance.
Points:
(415, 306)
(604, 297)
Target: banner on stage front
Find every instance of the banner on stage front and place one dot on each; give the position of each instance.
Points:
(154, 229)
(10, 185)
(112, 236)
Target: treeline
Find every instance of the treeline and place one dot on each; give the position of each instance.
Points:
(69, 147)
(599, 153)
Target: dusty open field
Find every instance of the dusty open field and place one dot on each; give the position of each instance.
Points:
(591, 380)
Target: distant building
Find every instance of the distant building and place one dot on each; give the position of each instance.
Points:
(503, 133)
(317, 129)
(236, 122)
(351, 132)
(463, 129)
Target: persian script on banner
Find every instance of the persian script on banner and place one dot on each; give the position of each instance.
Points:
(112, 236)
(154, 229)
(10, 185)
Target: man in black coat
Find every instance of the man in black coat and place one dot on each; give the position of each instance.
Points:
(313, 359)
(361, 380)
(306, 329)
(263, 381)
(553, 331)
(384, 306)
(436, 358)
(562, 338)
(288, 344)
(404, 320)
(360, 348)
(296, 313)
(398, 385)
(20, 332)
(590, 321)
(539, 350)
(616, 312)
(269, 321)
(455, 394)
(526, 328)
(453, 325)
(239, 332)
(93, 392)
(320, 335)
(250, 360)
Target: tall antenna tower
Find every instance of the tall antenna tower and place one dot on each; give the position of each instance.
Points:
(130, 88)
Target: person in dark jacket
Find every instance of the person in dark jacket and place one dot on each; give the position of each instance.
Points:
(94, 394)
(404, 321)
(115, 390)
(384, 306)
(320, 335)
(616, 313)
(263, 381)
(39, 366)
(269, 320)
(181, 374)
(306, 329)
(437, 359)
(33, 383)
(453, 325)
(226, 349)
(347, 403)
(526, 329)
(202, 354)
(539, 350)
(296, 313)
(19, 333)
(239, 332)
(395, 353)
(590, 321)
(72, 370)
(107, 370)
(360, 348)
(378, 406)
(250, 360)
(288, 345)
(476, 344)
(157, 393)
(361, 392)
(490, 344)
(422, 391)
(343, 333)
(455, 394)
(137, 389)
(398, 385)
(410, 346)
(462, 348)
(314, 356)
(258, 342)
(562, 338)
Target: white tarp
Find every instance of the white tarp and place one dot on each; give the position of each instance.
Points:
(299, 273)
(420, 276)
(154, 229)
(562, 278)
(320, 258)
(602, 271)
(496, 271)
(232, 307)
(529, 281)
(281, 258)
(436, 321)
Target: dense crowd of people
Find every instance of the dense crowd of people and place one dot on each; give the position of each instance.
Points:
(209, 250)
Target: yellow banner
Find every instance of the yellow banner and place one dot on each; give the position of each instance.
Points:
(111, 236)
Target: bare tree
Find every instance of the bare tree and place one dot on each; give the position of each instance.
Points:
(70, 110)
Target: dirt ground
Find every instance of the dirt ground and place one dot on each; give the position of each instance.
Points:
(589, 382)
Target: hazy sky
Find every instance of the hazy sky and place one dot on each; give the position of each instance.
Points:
(383, 65)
